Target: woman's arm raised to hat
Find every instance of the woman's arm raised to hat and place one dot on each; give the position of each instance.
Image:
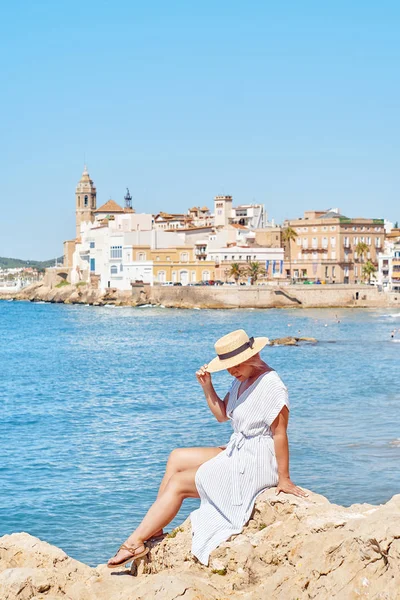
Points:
(217, 406)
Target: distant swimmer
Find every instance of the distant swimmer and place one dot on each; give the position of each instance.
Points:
(393, 333)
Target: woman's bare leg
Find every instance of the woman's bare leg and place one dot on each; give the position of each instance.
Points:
(180, 486)
(181, 459)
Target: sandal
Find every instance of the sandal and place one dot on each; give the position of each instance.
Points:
(131, 558)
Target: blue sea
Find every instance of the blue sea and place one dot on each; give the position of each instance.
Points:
(93, 400)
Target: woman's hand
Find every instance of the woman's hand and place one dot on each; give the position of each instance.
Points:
(287, 486)
(203, 377)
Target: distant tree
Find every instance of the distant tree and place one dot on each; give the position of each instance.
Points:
(361, 249)
(254, 270)
(396, 225)
(368, 270)
(236, 271)
(288, 236)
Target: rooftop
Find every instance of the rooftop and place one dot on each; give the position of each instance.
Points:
(110, 207)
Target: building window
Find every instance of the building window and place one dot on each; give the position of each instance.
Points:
(333, 271)
(184, 256)
(326, 273)
(206, 275)
(92, 265)
(141, 256)
(114, 270)
(116, 252)
(333, 242)
(161, 276)
(86, 201)
(333, 227)
(91, 244)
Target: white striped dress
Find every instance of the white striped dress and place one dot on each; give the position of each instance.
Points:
(229, 483)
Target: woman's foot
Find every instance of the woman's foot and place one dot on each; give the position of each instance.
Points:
(127, 552)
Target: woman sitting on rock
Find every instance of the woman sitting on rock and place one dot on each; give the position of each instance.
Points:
(226, 479)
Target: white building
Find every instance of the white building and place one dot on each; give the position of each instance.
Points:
(105, 250)
(389, 267)
(252, 216)
(271, 259)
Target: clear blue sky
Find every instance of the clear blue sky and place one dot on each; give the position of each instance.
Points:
(293, 104)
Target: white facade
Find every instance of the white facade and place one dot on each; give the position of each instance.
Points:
(271, 259)
(389, 268)
(107, 251)
(252, 216)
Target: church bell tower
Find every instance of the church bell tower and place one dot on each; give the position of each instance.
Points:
(85, 196)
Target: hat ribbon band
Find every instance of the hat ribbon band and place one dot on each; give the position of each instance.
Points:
(237, 351)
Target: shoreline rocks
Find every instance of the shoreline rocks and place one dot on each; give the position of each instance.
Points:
(292, 548)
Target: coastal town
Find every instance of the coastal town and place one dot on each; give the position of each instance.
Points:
(115, 247)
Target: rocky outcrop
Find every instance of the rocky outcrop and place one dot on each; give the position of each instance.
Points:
(81, 293)
(292, 548)
(292, 341)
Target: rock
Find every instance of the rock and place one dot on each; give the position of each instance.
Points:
(292, 341)
(292, 548)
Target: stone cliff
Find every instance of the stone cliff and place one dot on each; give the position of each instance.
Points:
(291, 549)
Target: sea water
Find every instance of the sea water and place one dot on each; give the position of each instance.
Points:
(93, 400)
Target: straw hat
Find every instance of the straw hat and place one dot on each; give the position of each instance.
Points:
(235, 348)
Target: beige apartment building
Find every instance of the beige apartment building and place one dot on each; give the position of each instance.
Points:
(177, 264)
(325, 246)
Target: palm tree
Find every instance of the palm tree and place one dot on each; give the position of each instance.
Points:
(361, 249)
(288, 236)
(368, 270)
(236, 271)
(254, 270)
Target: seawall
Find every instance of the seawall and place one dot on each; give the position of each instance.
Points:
(291, 296)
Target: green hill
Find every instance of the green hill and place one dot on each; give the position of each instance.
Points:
(15, 263)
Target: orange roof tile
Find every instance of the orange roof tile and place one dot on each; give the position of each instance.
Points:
(237, 226)
(110, 207)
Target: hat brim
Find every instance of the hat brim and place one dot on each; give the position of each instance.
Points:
(220, 365)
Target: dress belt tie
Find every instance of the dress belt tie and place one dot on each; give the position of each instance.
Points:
(238, 467)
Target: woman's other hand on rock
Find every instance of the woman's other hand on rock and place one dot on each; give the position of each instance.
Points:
(288, 487)
(203, 376)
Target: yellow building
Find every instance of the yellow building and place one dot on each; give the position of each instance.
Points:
(176, 264)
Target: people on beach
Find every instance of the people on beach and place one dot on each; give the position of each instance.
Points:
(228, 478)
